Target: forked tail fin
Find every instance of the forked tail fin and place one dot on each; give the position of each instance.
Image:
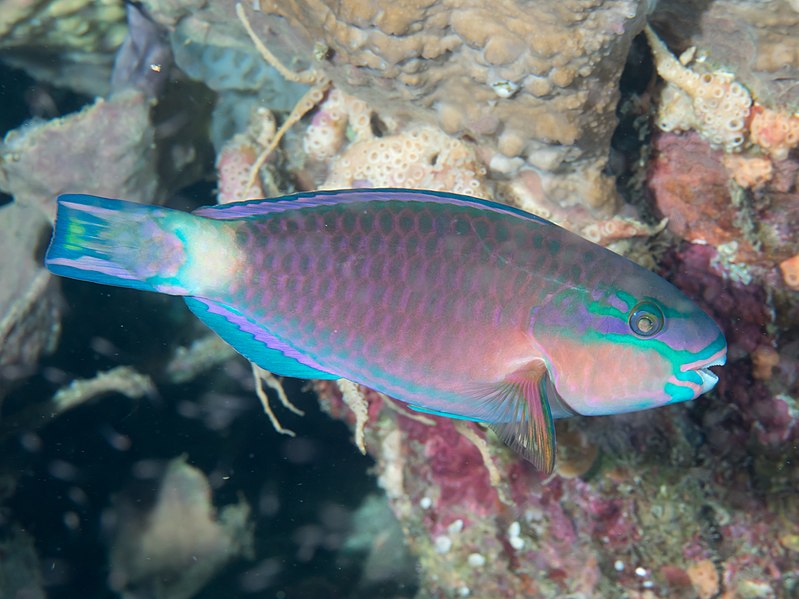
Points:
(120, 243)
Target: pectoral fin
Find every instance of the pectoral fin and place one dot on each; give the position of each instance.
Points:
(520, 415)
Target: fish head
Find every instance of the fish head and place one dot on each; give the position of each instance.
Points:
(634, 343)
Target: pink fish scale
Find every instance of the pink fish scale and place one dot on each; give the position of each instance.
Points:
(401, 287)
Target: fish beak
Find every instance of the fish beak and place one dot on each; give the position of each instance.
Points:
(709, 378)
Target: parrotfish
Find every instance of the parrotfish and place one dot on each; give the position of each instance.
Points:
(457, 306)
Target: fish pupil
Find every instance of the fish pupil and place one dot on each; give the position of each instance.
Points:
(646, 320)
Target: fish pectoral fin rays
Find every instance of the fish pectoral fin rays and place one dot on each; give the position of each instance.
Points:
(253, 341)
(519, 413)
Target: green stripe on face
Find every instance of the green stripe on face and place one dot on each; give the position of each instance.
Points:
(679, 393)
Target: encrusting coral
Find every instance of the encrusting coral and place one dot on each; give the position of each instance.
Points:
(422, 158)
(712, 103)
(775, 132)
(517, 78)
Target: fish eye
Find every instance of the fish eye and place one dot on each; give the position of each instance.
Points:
(646, 319)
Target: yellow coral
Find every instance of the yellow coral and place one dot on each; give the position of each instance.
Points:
(422, 158)
(712, 103)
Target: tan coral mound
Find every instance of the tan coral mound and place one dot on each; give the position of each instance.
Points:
(534, 83)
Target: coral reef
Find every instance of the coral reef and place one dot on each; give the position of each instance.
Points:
(234, 70)
(629, 523)
(513, 77)
(712, 103)
(516, 102)
(29, 307)
(753, 232)
(718, 106)
(775, 132)
(758, 46)
(110, 151)
(518, 79)
(421, 158)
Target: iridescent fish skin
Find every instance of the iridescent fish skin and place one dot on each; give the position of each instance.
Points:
(454, 305)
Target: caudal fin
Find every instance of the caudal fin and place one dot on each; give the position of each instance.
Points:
(118, 243)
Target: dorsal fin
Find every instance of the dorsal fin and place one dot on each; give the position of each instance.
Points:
(309, 199)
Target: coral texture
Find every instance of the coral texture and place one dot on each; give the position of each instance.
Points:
(29, 306)
(510, 100)
(644, 510)
(106, 149)
(532, 83)
(711, 102)
(752, 39)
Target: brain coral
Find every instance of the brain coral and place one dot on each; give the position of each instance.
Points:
(534, 84)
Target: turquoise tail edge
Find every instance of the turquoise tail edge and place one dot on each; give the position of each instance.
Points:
(97, 239)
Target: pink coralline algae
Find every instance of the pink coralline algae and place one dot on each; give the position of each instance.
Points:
(691, 189)
(457, 468)
(739, 262)
(764, 400)
(637, 524)
(753, 231)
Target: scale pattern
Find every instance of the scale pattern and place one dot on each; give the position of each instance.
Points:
(432, 299)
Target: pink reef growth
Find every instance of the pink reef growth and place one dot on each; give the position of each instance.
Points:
(739, 264)
(456, 467)
(598, 535)
(765, 408)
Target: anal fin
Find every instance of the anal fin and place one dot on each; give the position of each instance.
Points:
(254, 342)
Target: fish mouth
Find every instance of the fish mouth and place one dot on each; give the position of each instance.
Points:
(710, 378)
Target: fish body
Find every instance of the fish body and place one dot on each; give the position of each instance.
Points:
(454, 305)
